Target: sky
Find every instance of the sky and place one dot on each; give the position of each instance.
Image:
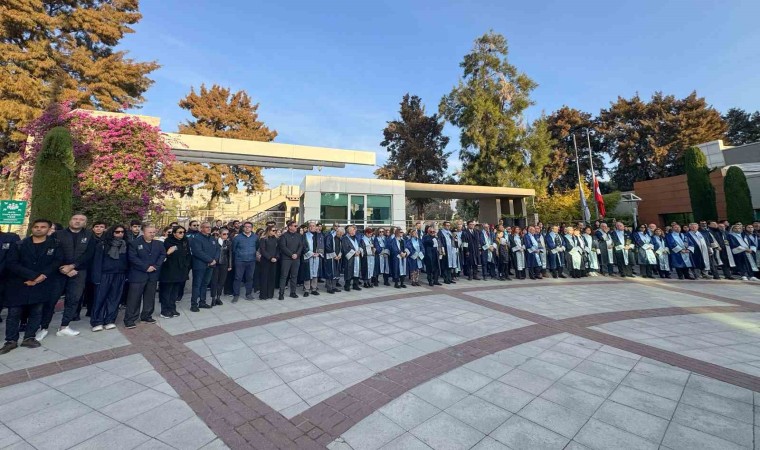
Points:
(332, 73)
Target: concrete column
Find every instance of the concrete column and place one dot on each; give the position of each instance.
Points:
(512, 207)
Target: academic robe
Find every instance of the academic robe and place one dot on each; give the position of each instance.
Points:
(745, 261)
(662, 252)
(518, 251)
(369, 261)
(351, 249)
(331, 266)
(573, 253)
(555, 247)
(416, 254)
(471, 247)
(593, 251)
(398, 258)
(447, 240)
(532, 249)
(753, 241)
(432, 248)
(313, 243)
(382, 254)
(619, 250)
(724, 248)
(644, 248)
(606, 247)
(701, 256)
(677, 242)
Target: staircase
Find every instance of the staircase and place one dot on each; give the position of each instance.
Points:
(266, 200)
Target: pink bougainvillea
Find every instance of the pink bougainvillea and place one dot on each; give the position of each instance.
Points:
(119, 162)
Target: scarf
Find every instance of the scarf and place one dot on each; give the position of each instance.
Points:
(116, 247)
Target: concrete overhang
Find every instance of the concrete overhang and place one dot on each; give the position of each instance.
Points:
(463, 191)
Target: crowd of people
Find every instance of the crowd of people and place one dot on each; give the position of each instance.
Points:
(106, 269)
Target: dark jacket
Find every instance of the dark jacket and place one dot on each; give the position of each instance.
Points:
(268, 248)
(290, 244)
(26, 261)
(103, 264)
(76, 248)
(244, 247)
(142, 255)
(7, 240)
(225, 253)
(472, 239)
(431, 252)
(205, 249)
(177, 265)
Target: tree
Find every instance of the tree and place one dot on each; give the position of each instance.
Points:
(561, 171)
(218, 112)
(487, 106)
(415, 144)
(53, 178)
(738, 196)
(647, 140)
(743, 127)
(73, 41)
(701, 191)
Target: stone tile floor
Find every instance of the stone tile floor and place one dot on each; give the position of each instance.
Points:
(440, 368)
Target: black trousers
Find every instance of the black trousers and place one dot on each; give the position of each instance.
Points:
(289, 271)
(445, 270)
(167, 295)
(267, 271)
(433, 272)
(107, 298)
(13, 321)
(73, 290)
(470, 267)
(218, 278)
(88, 298)
(140, 293)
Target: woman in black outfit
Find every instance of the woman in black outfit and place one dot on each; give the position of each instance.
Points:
(174, 271)
(268, 263)
(222, 267)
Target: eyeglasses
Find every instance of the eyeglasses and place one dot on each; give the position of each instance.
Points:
(179, 232)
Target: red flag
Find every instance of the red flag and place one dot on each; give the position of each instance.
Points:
(599, 199)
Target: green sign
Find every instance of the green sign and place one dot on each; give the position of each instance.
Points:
(12, 212)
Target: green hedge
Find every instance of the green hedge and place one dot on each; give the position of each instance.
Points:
(53, 178)
(701, 191)
(738, 197)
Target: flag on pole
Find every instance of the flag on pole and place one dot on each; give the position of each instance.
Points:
(584, 205)
(599, 198)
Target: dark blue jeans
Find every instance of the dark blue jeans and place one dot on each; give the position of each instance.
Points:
(201, 279)
(13, 321)
(243, 273)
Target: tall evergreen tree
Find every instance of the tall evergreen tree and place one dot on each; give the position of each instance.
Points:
(743, 127)
(218, 112)
(415, 144)
(701, 191)
(75, 41)
(738, 196)
(647, 140)
(53, 178)
(487, 106)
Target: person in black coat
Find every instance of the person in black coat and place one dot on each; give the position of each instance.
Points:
(471, 250)
(6, 241)
(146, 255)
(32, 264)
(222, 267)
(205, 250)
(268, 269)
(432, 251)
(174, 271)
(108, 274)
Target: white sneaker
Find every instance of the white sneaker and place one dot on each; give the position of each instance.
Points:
(67, 331)
(744, 278)
(754, 279)
(41, 333)
(97, 328)
(110, 326)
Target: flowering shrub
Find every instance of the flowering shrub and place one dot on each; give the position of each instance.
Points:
(119, 162)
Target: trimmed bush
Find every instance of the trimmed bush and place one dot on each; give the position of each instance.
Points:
(53, 178)
(701, 191)
(738, 197)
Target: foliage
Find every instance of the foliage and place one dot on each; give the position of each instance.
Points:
(561, 171)
(487, 106)
(738, 196)
(119, 162)
(647, 139)
(66, 46)
(701, 191)
(53, 178)
(434, 210)
(218, 112)
(611, 200)
(415, 146)
(743, 127)
(565, 206)
(468, 209)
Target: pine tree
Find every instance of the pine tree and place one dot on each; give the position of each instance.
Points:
(53, 178)
(743, 127)
(701, 191)
(738, 196)
(218, 112)
(41, 40)
(415, 146)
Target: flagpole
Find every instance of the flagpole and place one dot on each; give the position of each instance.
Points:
(578, 169)
(593, 175)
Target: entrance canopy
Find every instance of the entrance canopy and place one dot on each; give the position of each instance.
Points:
(463, 191)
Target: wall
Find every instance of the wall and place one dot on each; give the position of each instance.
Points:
(671, 195)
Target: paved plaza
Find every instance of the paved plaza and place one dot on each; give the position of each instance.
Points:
(595, 363)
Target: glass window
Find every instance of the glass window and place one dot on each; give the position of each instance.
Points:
(357, 208)
(334, 207)
(379, 209)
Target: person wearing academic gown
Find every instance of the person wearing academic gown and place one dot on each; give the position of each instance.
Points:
(573, 253)
(450, 254)
(433, 255)
(383, 255)
(725, 256)
(313, 257)
(517, 246)
(31, 264)
(488, 252)
(471, 250)
(581, 245)
(458, 244)
(746, 264)
(662, 252)
(399, 258)
(369, 260)
(532, 254)
(701, 253)
(416, 256)
(607, 249)
(502, 240)
(333, 256)
(753, 240)
(680, 252)
(621, 241)
(541, 237)
(645, 250)
(352, 253)
(593, 251)
(555, 256)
